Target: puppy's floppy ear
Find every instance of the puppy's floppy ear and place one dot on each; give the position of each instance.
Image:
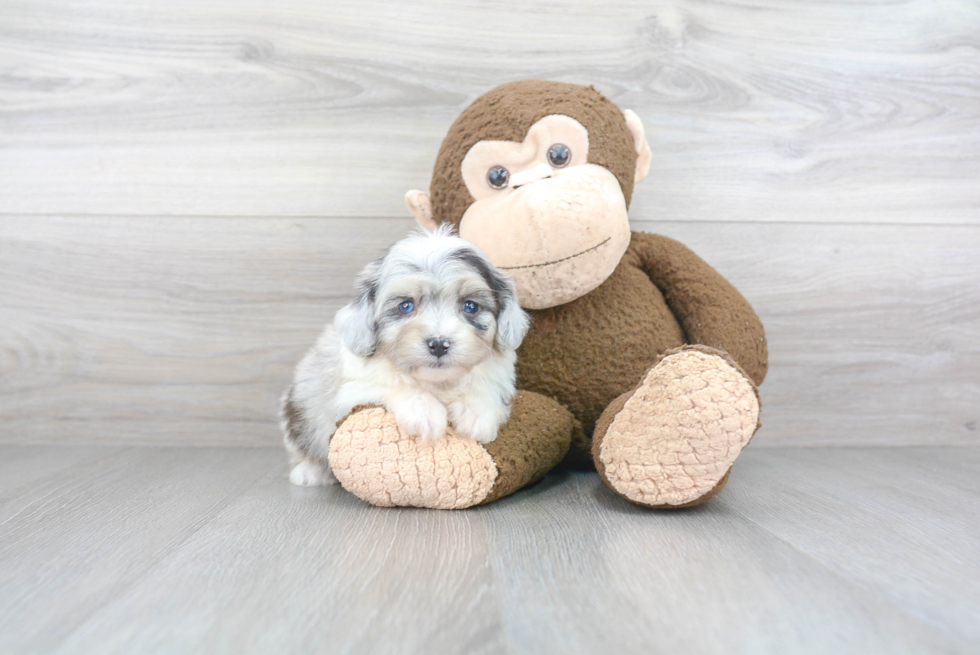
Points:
(355, 321)
(512, 321)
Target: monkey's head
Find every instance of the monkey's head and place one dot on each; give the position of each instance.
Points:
(539, 176)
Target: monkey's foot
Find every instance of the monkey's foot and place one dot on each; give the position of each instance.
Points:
(671, 441)
(377, 462)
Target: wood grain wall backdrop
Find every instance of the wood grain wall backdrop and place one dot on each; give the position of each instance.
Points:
(772, 110)
(187, 189)
(185, 329)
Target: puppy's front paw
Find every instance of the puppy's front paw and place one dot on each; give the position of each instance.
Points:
(481, 426)
(311, 474)
(422, 415)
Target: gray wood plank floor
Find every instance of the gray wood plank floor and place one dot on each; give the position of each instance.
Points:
(176, 550)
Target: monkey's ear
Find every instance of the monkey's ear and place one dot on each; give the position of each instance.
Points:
(643, 155)
(421, 207)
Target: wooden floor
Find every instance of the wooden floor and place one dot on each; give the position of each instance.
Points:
(109, 549)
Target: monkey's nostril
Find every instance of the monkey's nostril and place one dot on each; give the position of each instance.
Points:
(523, 178)
(438, 346)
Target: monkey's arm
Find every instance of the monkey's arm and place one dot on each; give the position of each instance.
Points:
(711, 310)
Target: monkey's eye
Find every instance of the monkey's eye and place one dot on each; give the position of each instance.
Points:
(498, 177)
(470, 307)
(559, 155)
(407, 307)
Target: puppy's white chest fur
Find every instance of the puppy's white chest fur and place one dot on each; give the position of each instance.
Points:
(424, 403)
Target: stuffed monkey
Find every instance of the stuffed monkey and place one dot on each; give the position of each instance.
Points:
(641, 361)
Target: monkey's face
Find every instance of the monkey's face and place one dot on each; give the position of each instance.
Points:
(539, 175)
(556, 223)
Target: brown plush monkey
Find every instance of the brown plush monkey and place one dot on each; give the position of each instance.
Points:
(641, 360)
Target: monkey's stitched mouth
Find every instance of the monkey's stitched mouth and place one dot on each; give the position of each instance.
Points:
(557, 261)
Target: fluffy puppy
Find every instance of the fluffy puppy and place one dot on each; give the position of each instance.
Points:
(430, 335)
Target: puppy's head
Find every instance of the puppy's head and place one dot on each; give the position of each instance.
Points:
(433, 305)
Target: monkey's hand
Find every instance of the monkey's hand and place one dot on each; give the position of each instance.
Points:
(374, 457)
(420, 414)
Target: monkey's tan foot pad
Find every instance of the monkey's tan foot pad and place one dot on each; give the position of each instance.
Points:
(676, 437)
(377, 462)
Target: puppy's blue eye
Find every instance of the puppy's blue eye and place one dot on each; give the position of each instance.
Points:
(470, 307)
(407, 307)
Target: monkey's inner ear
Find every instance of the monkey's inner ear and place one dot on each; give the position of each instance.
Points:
(421, 207)
(643, 155)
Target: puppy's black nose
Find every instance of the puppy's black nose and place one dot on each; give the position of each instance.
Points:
(438, 346)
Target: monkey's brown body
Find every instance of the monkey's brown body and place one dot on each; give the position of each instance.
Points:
(587, 352)
(641, 359)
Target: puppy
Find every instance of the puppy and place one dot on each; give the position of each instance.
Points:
(430, 335)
